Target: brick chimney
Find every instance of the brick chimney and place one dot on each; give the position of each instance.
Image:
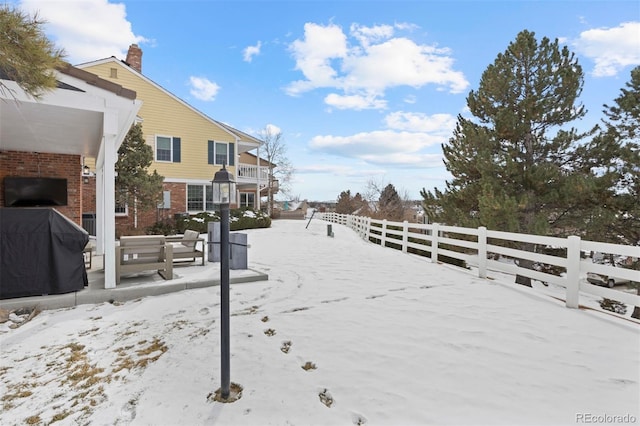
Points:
(134, 57)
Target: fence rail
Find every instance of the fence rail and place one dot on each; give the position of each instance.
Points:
(483, 249)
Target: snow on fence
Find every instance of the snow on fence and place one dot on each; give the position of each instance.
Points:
(482, 248)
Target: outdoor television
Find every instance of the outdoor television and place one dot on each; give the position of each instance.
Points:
(34, 191)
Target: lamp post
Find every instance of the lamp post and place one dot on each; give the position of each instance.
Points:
(224, 193)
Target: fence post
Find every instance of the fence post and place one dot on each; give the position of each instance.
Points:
(482, 252)
(367, 233)
(383, 233)
(405, 235)
(435, 231)
(573, 272)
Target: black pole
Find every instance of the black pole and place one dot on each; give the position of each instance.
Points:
(224, 298)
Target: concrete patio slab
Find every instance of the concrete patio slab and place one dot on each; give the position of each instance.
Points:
(136, 286)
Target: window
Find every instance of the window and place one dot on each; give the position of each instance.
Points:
(121, 209)
(200, 198)
(221, 153)
(168, 149)
(113, 72)
(195, 197)
(247, 199)
(209, 199)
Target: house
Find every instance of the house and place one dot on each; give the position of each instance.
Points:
(188, 146)
(85, 116)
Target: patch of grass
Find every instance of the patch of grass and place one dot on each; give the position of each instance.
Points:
(156, 345)
(3, 370)
(60, 416)
(87, 332)
(33, 420)
(125, 360)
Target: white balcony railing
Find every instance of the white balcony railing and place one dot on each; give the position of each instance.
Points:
(250, 173)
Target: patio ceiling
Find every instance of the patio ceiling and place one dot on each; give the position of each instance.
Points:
(44, 127)
(67, 120)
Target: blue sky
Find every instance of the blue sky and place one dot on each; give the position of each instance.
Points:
(362, 91)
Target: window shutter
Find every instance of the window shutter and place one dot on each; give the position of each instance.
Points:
(210, 152)
(232, 155)
(176, 150)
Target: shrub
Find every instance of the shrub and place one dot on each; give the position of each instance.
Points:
(613, 306)
(239, 219)
(165, 227)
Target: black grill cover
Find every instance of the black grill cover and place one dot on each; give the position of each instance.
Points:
(40, 253)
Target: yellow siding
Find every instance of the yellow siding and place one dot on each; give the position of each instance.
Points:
(163, 115)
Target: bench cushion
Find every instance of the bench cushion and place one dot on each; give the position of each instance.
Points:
(190, 235)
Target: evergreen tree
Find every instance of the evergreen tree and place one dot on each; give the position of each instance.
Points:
(344, 205)
(390, 205)
(621, 141)
(514, 168)
(623, 131)
(26, 55)
(360, 205)
(135, 186)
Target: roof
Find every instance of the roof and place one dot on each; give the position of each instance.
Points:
(94, 80)
(239, 135)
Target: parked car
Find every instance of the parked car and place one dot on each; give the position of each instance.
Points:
(599, 279)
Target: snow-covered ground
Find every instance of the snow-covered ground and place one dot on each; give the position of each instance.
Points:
(344, 332)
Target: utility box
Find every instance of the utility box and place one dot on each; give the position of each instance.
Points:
(238, 250)
(237, 247)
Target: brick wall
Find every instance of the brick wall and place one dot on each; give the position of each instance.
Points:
(34, 164)
(88, 194)
(125, 224)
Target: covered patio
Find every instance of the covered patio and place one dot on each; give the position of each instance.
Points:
(85, 116)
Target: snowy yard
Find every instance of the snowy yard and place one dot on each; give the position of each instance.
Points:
(344, 332)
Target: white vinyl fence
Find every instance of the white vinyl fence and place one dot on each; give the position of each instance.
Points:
(482, 248)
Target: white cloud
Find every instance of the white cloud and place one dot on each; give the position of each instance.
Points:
(337, 170)
(368, 35)
(203, 89)
(405, 160)
(373, 62)
(377, 143)
(410, 140)
(418, 122)
(611, 49)
(356, 102)
(313, 55)
(402, 62)
(250, 51)
(273, 129)
(82, 36)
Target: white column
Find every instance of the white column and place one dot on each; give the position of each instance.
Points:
(109, 196)
(258, 182)
(100, 203)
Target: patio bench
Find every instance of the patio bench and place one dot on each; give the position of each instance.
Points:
(186, 246)
(144, 253)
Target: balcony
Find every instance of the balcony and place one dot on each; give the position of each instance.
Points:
(249, 174)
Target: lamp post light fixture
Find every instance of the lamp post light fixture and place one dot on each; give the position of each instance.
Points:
(224, 193)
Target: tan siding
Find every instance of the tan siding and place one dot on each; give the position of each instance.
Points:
(162, 114)
(247, 158)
